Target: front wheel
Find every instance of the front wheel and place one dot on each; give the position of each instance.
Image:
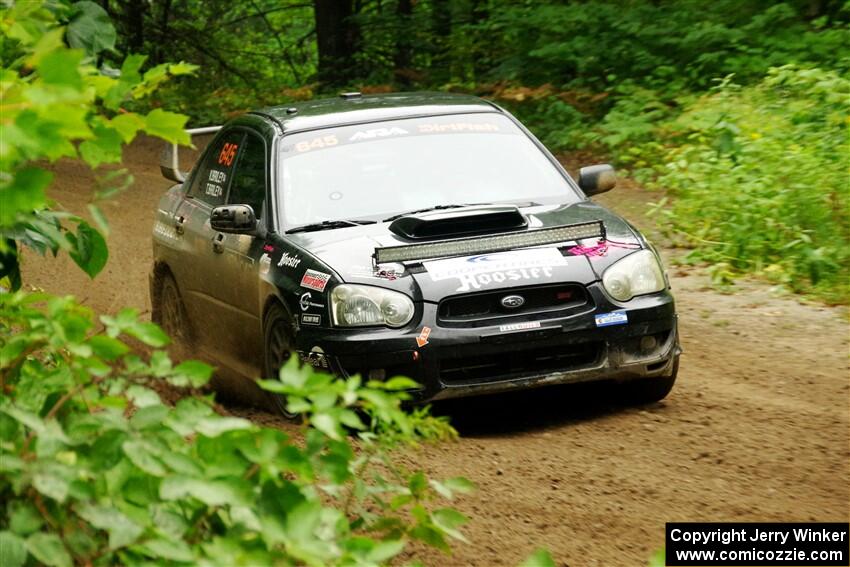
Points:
(278, 346)
(649, 390)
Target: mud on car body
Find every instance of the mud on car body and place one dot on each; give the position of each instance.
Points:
(424, 235)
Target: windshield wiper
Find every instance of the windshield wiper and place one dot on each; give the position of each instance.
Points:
(328, 225)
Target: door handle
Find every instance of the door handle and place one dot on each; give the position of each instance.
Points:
(178, 224)
(218, 247)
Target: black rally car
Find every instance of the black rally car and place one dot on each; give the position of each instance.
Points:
(428, 235)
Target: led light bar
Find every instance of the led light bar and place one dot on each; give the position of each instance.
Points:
(487, 244)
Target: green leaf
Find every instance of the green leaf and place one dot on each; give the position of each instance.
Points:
(24, 194)
(448, 520)
(148, 333)
(197, 373)
(169, 126)
(104, 147)
(127, 125)
(539, 558)
(182, 68)
(172, 550)
(417, 484)
(122, 530)
(215, 425)
(107, 348)
(328, 425)
(49, 549)
(52, 483)
(460, 484)
(24, 519)
(25, 417)
(210, 492)
(13, 551)
(385, 550)
(140, 454)
(400, 383)
(62, 68)
(91, 29)
(88, 249)
(143, 397)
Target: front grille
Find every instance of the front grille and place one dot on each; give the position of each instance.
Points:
(463, 310)
(507, 365)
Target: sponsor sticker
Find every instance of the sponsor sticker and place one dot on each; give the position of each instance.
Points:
(315, 280)
(315, 358)
(612, 318)
(310, 319)
(265, 263)
(306, 302)
(381, 271)
(288, 260)
(475, 272)
(162, 229)
(519, 326)
(422, 339)
(377, 133)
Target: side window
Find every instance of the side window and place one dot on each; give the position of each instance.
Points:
(249, 179)
(213, 177)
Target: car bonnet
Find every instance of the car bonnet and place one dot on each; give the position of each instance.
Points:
(349, 251)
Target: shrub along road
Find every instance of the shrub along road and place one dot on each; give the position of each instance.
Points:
(757, 428)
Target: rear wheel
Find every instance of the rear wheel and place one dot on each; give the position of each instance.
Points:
(278, 347)
(170, 314)
(649, 390)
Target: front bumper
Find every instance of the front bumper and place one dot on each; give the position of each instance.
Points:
(464, 361)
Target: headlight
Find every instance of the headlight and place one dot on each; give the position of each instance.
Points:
(360, 305)
(636, 274)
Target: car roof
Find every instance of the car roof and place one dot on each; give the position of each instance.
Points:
(353, 109)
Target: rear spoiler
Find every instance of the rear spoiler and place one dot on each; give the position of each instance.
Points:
(169, 163)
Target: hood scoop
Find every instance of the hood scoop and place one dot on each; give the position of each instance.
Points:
(468, 221)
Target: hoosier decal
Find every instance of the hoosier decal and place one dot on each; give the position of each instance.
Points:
(288, 260)
(315, 280)
(475, 272)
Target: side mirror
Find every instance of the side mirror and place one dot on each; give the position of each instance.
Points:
(595, 179)
(234, 219)
(168, 165)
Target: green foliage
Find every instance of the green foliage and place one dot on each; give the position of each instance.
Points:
(96, 469)
(760, 180)
(683, 44)
(57, 103)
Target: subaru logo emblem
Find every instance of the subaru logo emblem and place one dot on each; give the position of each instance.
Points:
(512, 301)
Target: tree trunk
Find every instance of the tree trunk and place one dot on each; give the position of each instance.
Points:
(135, 18)
(338, 41)
(403, 46)
(441, 29)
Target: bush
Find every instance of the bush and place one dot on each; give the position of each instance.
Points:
(760, 180)
(96, 469)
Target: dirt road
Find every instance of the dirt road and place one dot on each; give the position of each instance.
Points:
(757, 429)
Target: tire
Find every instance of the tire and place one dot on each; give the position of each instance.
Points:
(649, 390)
(278, 346)
(169, 312)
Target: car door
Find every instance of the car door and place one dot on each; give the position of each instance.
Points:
(199, 272)
(235, 287)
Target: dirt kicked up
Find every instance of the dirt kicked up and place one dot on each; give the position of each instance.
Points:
(757, 428)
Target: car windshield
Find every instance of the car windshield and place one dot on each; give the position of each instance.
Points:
(380, 169)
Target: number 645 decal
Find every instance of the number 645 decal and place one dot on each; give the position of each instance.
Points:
(228, 152)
